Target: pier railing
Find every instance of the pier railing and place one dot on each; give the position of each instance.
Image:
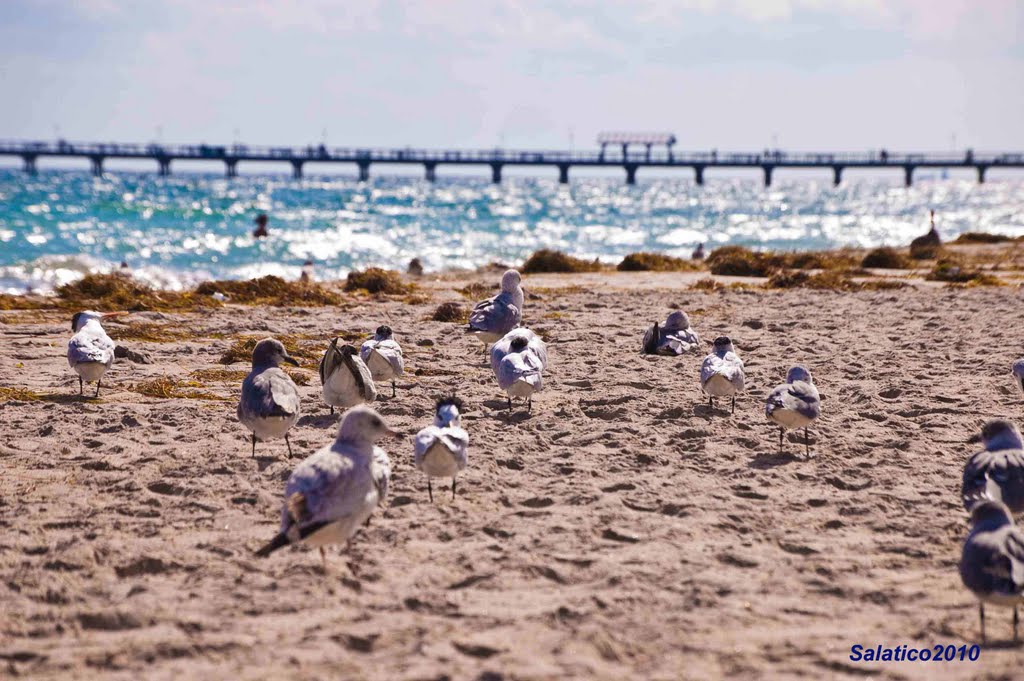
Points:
(630, 160)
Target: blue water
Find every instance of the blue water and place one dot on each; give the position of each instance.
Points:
(174, 231)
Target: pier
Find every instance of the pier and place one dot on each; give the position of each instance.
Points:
(611, 154)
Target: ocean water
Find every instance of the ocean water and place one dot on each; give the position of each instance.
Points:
(175, 231)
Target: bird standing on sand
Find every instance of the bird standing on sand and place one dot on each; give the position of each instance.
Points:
(1018, 373)
(333, 492)
(992, 562)
(998, 469)
(927, 246)
(345, 377)
(90, 350)
(673, 338)
(493, 318)
(504, 346)
(794, 404)
(270, 403)
(721, 374)
(519, 371)
(442, 448)
(383, 356)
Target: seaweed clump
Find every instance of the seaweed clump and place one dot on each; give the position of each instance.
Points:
(299, 347)
(828, 281)
(117, 292)
(885, 258)
(739, 261)
(655, 262)
(983, 238)
(169, 388)
(377, 280)
(450, 312)
(954, 272)
(547, 260)
(271, 290)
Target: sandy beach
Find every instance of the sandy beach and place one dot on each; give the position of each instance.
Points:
(621, 530)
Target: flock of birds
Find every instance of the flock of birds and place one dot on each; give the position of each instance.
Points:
(332, 493)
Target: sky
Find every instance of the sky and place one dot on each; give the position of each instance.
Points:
(921, 75)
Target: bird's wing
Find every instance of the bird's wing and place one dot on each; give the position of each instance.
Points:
(497, 315)
(392, 352)
(361, 374)
(259, 399)
(652, 339)
(709, 368)
(802, 397)
(998, 474)
(424, 439)
(366, 349)
(330, 362)
(88, 347)
(1014, 548)
(327, 486)
(283, 391)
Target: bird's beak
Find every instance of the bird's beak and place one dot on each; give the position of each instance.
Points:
(291, 360)
(974, 439)
(106, 315)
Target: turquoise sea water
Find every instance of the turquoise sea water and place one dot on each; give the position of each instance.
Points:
(173, 231)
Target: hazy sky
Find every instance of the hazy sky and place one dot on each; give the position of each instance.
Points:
(731, 74)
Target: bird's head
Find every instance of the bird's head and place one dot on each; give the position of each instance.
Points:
(998, 434)
(510, 281)
(798, 373)
(519, 344)
(677, 320)
(990, 514)
(271, 352)
(80, 319)
(448, 411)
(363, 424)
(723, 344)
(383, 332)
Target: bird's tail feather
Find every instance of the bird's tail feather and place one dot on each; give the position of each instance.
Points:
(276, 543)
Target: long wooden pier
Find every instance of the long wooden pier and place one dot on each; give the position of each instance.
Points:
(497, 159)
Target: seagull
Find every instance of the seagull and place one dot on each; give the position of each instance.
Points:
(675, 337)
(721, 374)
(345, 377)
(998, 468)
(442, 448)
(992, 562)
(270, 403)
(493, 318)
(519, 372)
(1018, 373)
(794, 404)
(90, 350)
(383, 356)
(333, 492)
(504, 346)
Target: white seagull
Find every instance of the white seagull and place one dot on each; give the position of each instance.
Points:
(721, 374)
(519, 371)
(345, 377)
(270, 403)
(90, 350)
(794, 404)
(992, 562)
(333, 492)
(998, 469)
(674, 337)
(493, 318)
(383, 356)
(442, 448)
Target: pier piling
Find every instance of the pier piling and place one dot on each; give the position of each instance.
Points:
(364, 171)
(563, 173)
(30, 163)
(837, 175)
(981, 174)
(431, 171)
(296, 170)
(698, 175)
(163, 167)
(97, 165)
(767, 175)
(908, 176)
(231, 168)
(496, 173)
(630, 173)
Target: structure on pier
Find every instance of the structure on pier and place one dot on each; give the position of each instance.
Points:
(615, 152)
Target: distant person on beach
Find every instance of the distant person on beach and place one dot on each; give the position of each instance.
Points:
(261, 227)
(415, 267)
(307, 272)
(698, 253)
(884, 156)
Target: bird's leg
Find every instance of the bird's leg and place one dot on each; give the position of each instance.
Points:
(323, 559)
(981, 616)
(807, 441)
(81, 386)
(529, 403)
(430, 490)
(782, 432)
(254, 445)
(1014, 610)
(510, 404)
(288, 442)
(332, 410)
(1016, 621)
(98, 380)
(392, 387)
(733, 410)
(711, 402)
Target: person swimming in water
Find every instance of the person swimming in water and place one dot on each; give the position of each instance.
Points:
(261, 226)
